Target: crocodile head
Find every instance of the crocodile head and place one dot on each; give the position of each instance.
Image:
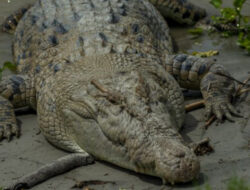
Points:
(129, 119)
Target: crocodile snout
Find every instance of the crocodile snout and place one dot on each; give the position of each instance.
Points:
(187, 170)
(178, 166)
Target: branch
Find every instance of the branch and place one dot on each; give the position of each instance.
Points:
(47, 171)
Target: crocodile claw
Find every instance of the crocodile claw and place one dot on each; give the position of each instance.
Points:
(9, 130)
(221, 108)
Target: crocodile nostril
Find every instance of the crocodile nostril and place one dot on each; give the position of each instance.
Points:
(180, 154)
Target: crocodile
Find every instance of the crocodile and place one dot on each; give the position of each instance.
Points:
(105, 82)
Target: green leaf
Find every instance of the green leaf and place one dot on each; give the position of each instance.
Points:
(238, 4)
(228, 14)
(10, 66)
(244, 41)
(245, 19)
(206, 53)
(196, 31)
(216, 3)
(226, 34)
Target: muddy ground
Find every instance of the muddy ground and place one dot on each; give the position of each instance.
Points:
(231, 141)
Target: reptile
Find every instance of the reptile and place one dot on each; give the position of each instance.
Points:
(105, 82)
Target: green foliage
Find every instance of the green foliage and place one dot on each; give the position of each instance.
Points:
(196, 31)
(237, 7)
(216, 3)
(7, 65)
(233, 22)
(238, 3)
(229, 15)
(244, 41)
(235, 183)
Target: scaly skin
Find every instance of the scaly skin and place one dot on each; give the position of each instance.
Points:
(11, 22)
(98, 72)
(180, 11)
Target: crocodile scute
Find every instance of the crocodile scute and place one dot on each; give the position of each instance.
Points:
(103, 78)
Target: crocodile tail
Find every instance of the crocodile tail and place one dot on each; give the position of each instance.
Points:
(11, 22)
(180, 11)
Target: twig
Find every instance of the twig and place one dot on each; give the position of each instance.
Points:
(209, 122)
(47, 171)
(239, 90)
(99, 86)
(195, 105)
(114, 97)
(232, 78)
(199, 104)
(242, 91)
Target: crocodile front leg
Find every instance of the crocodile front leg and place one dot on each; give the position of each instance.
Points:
(16, 91)
(201, 74)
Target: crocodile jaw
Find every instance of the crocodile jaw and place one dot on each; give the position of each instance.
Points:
(150, 146)
(130, 125)
(162, 157)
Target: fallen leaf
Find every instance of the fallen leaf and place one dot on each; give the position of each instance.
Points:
(206, 53)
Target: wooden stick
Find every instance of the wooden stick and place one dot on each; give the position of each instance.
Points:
(210, 121)
(199, 104)
(238, 91)
(47, 171)
(195, 105)
(242, 91)
(99, 86)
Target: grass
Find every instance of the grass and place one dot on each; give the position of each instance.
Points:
(235, 183)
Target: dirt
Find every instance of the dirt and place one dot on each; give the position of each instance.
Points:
(230, 141)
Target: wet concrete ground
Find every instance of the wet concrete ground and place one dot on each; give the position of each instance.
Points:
(231, 141)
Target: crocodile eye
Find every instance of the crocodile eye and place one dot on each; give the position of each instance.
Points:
(81, 109)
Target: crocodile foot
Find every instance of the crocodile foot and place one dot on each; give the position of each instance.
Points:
(220, 107)
(8, 130)
(8, 125)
